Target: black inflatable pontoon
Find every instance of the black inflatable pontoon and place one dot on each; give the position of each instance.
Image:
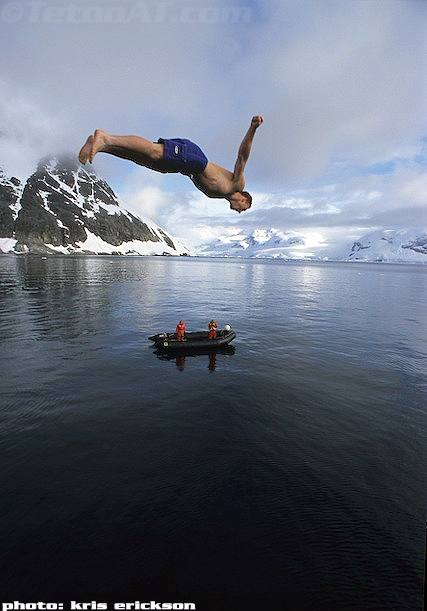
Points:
(194, 340)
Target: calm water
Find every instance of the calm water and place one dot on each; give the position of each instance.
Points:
(290, 474)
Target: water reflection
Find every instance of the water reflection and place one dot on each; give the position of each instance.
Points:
(180, 359)
(67, 297)
(317, 426)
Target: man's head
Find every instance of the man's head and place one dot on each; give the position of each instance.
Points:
(240, 201)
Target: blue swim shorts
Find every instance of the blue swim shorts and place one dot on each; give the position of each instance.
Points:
(182, 156)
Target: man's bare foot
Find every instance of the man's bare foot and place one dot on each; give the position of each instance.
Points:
(85, 150)
(98, 144)
(93, 145)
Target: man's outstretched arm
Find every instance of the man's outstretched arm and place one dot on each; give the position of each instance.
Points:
(245, 149)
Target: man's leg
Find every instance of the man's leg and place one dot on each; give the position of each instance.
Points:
(136, 149)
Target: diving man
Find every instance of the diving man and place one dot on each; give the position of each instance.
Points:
(181, 156)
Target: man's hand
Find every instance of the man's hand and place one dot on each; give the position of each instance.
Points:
(256, 121)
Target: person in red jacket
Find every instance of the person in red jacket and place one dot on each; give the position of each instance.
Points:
(212, 329)
(180, 331)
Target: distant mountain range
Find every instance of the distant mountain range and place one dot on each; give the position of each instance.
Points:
(390, 246)
(387, 245)
(63, 208)
(260, 243)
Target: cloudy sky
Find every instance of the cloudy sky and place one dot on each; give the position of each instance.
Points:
(341, 85)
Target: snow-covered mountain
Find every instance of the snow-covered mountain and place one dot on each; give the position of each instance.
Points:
(10, 194)
(387, 245)
(65, 209)
(260, 243)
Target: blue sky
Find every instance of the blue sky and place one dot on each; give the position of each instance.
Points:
(341, 85)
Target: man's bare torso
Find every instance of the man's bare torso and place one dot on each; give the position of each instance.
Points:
(216, 182)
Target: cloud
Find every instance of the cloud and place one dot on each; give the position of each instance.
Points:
(144, 202)
(344, 80)
(142, 194)
(28, 132)
(341, 85)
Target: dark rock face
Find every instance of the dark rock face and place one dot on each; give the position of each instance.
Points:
(418, 245)
(9, 198)
(356, 247)
(62, 205)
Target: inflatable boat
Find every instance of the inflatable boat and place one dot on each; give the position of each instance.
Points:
(193, 340)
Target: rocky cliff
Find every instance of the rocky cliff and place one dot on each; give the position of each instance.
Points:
(10, 193)
(63, 208)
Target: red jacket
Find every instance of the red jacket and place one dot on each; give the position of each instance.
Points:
(212, 329)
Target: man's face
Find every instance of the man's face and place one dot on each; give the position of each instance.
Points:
(238, 202)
